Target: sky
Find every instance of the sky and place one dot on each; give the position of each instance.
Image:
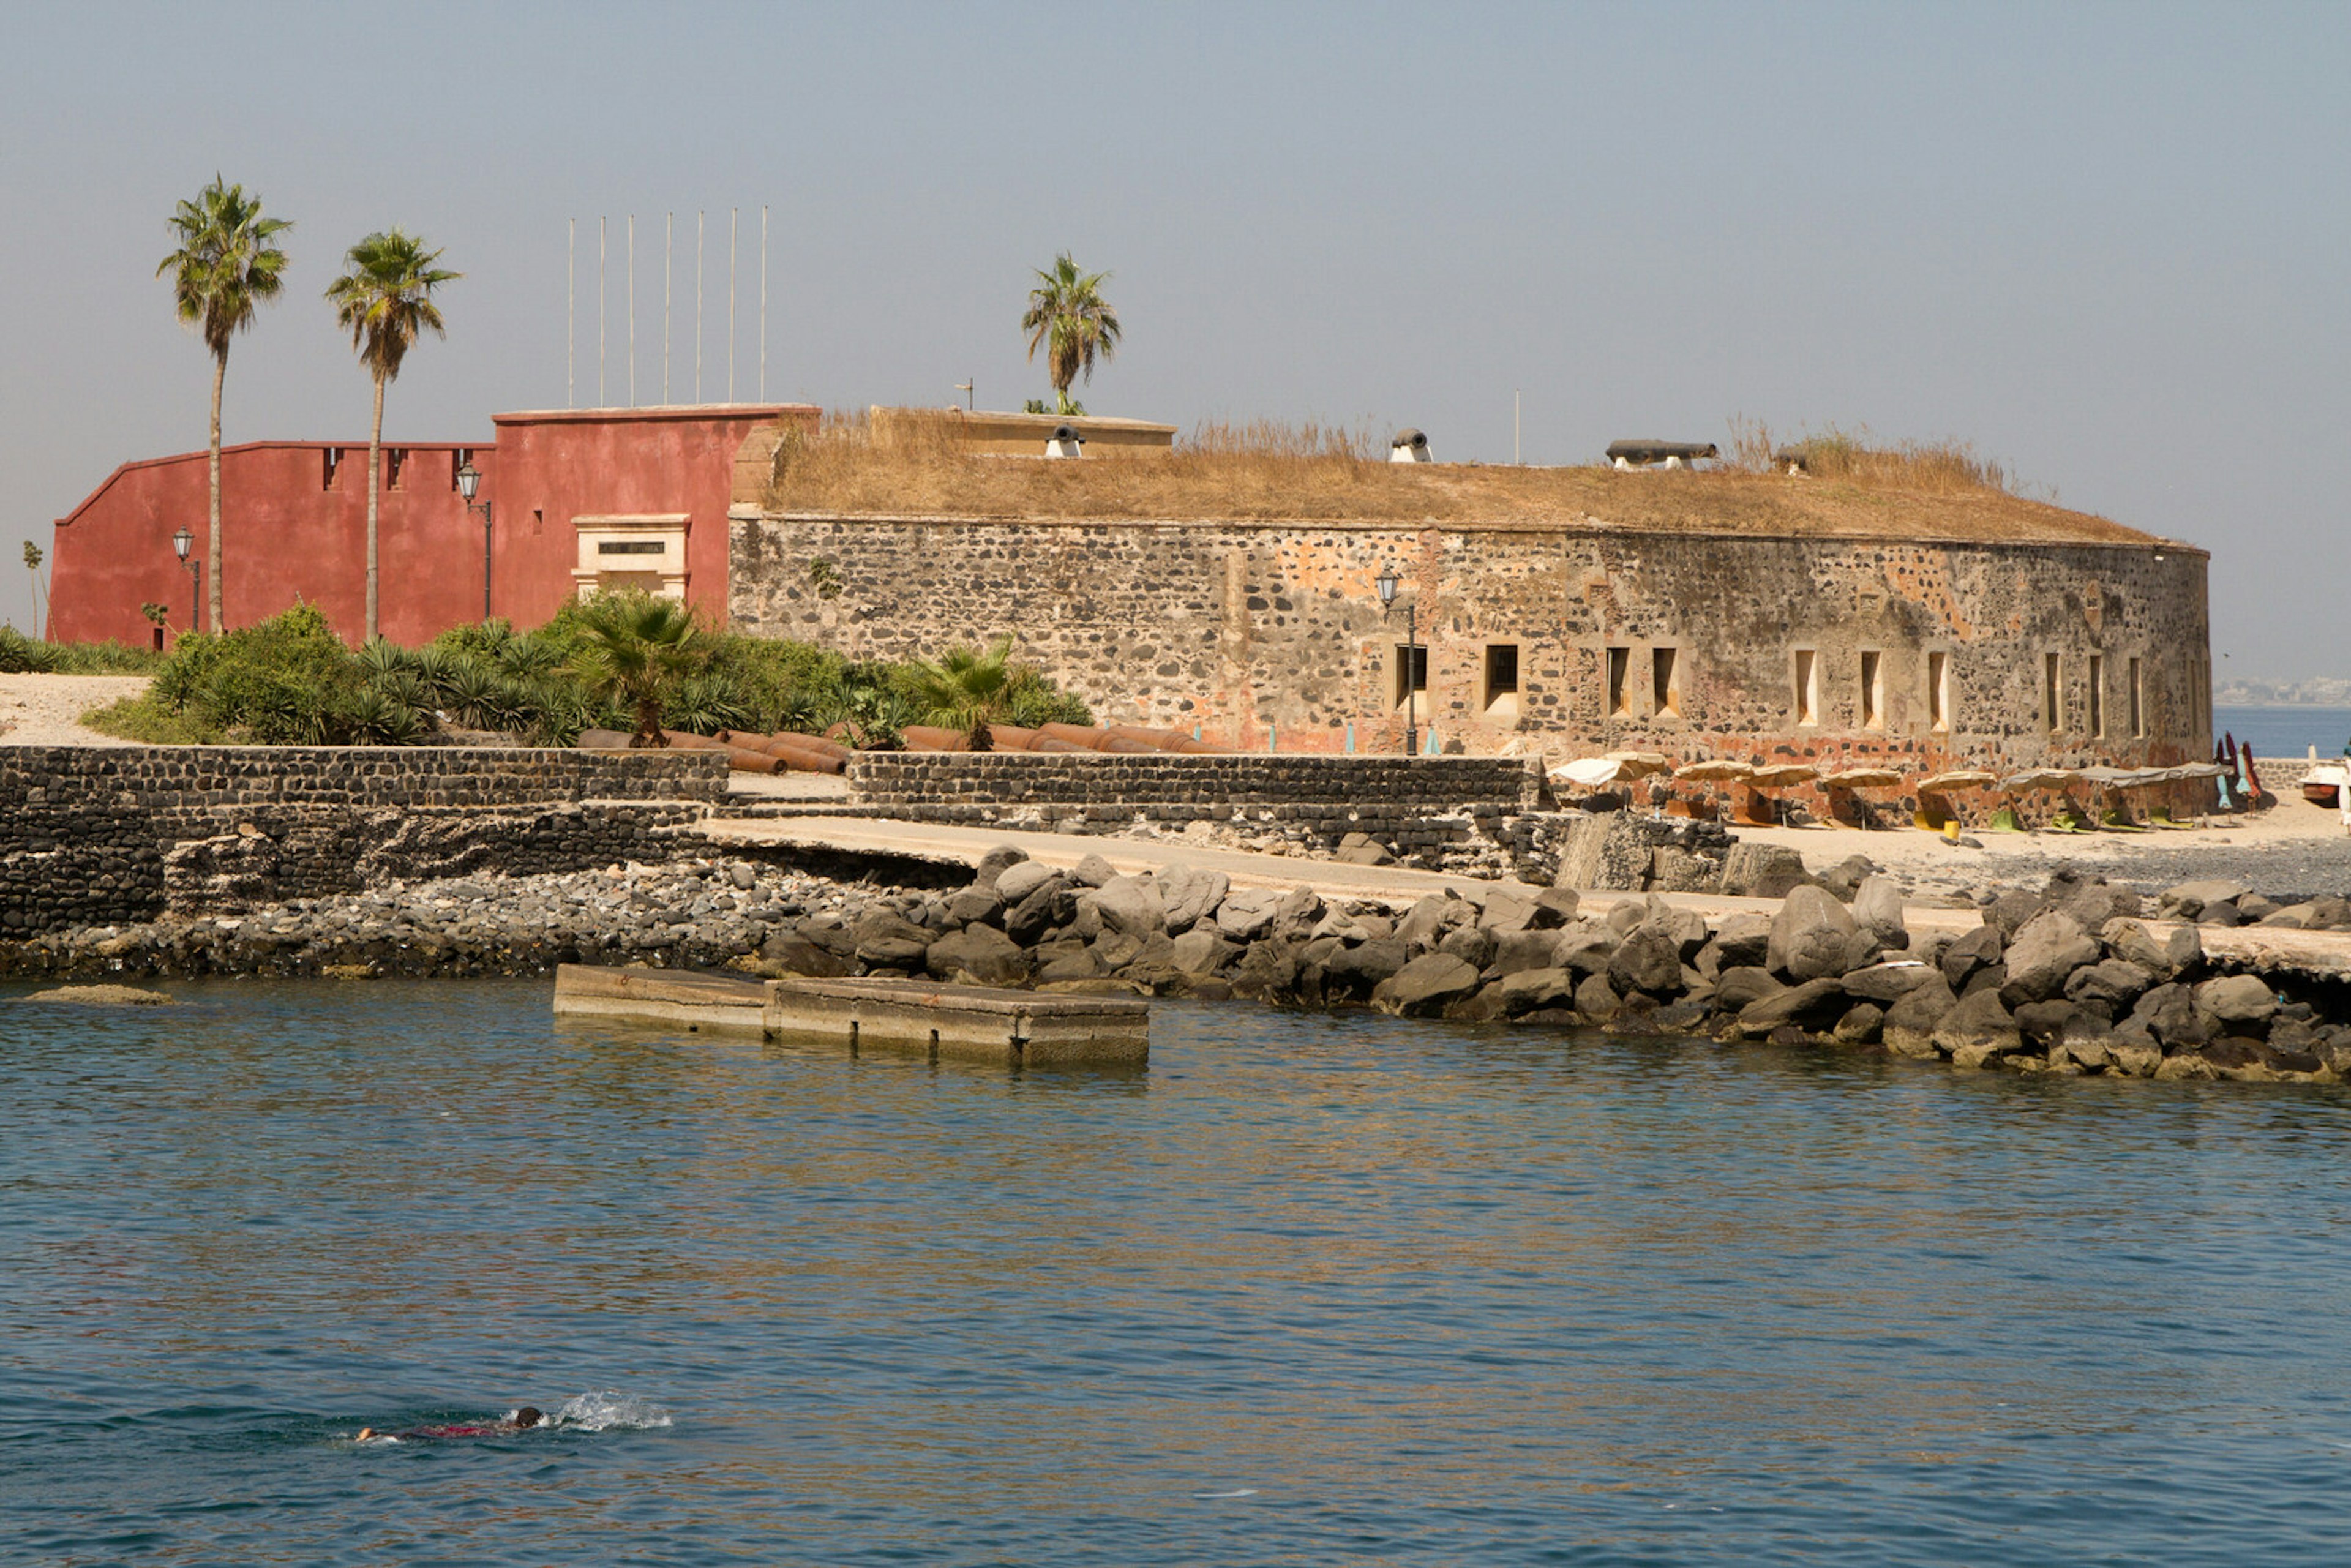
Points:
(2106, 245)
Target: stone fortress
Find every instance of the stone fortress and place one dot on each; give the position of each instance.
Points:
(1760, 617)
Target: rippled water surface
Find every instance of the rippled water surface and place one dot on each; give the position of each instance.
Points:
(1309, 1289)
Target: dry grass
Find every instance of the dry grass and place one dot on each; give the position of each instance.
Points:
(1274, 472)
(1858, 457)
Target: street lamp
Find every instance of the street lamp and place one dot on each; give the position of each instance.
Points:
(181, 542)
(1387, 582)
(469, 481)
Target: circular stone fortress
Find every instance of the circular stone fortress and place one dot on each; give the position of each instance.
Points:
(1900, 620)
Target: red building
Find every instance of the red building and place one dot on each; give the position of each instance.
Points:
(578, 498)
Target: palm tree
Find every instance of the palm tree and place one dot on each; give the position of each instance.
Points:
(386, 299)
(962, 689)
(1068, 317)
(635, 650)
(226, 266)
(32, 565)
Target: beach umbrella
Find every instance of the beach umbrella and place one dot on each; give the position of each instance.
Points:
(1958, 779)
(1588, 772)
(1716, 770)
(1640, 764)
(1779, 775)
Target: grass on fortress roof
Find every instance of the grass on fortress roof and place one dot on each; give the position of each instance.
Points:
(1276, 472)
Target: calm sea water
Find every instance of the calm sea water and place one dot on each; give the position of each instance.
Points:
(1310, 1288)
(2286, 732)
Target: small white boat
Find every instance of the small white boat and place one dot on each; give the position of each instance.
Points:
(2322, 783)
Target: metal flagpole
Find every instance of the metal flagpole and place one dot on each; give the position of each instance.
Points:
(732, 213)
(633, 309)
(667, 218)
(763, 302)
(570, 307)
(600, 312)
(698, 305)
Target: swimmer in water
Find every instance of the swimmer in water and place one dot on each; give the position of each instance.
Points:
(522, 1420)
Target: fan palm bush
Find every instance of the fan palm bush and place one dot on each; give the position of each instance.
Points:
(634, 651)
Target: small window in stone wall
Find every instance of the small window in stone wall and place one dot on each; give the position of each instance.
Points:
(1501, 678)
(1808, 687)
(2137, 720)
(1873, 691)
(1939, 691)
(2052, 711)
(457, 461)
(395, 465)
(334, 462)
(1665, 683)
(1620, 666)
(2098, 694)
(1411, 671)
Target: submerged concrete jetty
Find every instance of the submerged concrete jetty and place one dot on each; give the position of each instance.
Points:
(922, 1018)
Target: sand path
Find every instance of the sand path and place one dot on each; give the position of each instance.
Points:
(45, 710)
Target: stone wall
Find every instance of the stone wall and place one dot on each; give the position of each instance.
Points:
(1256, 629)
(94, 836)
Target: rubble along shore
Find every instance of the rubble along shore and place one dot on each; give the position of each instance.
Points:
(2072, 979)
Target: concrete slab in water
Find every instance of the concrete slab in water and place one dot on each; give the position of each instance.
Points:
(969, 1023)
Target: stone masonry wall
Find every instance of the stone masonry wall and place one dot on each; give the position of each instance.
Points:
(96, 836)
(1250, 630)
(1425, 809)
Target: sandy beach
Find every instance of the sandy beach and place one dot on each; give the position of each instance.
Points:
(45, 710)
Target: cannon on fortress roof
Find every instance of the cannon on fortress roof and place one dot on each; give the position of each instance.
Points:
(1672, 454)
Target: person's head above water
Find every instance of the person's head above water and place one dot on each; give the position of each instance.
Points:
(528, 1415)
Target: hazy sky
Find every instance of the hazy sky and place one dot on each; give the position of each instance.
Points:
(2108, 245)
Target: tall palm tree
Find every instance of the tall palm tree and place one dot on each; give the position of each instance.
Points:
(386, 299)
(226, 266)
(1068, 317)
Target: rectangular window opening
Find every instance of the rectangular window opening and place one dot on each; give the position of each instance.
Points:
(1620, 701)
(1501, 675)
(2052, 712)
(1665, 691)
(457, 461)
(1808, 687)
(1873, 692)
(2098, 694)
(395, 460)
(1411, 669)
(334, 460)
(2137, 722)
(1939, 691)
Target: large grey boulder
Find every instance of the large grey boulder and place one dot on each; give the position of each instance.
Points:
(982, 952)
(1978, 1029)
(1977, 949)
(1295, 916)
(1094, 872)
(1190, 896)
(2166, 956)
(1517, 951)
(1911, 1020)
(1878, 909)
(1810, 936)
(2238, 999)
(1429, 919)
(2043, 956)
(1473, 945)
(1686, 928)
(1268, 972)
(2111, 985)
(1586, 949)
(1815, 1005)
(1201, 951)
(1647, 960)
(1366, 965)
(887, 942)
(1528, 989)
(1595, 998)
(1885, 983)
(1742, 940)
(1738, 987)
(791, 953)
(1128, 905)
(996, 863)
(1018, 881)
(2010, 911)
(1508, 911)
(1246, 913)
(2191, 898)
(977, 905)
(1051, 904)
(1425, 986)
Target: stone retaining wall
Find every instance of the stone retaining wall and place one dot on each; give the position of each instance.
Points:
(100, 837)
(1415, 806)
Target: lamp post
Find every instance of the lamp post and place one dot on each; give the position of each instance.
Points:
(469, 481)
(1387, 582)
(181, 543)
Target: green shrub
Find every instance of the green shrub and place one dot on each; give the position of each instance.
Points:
(149, 722)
